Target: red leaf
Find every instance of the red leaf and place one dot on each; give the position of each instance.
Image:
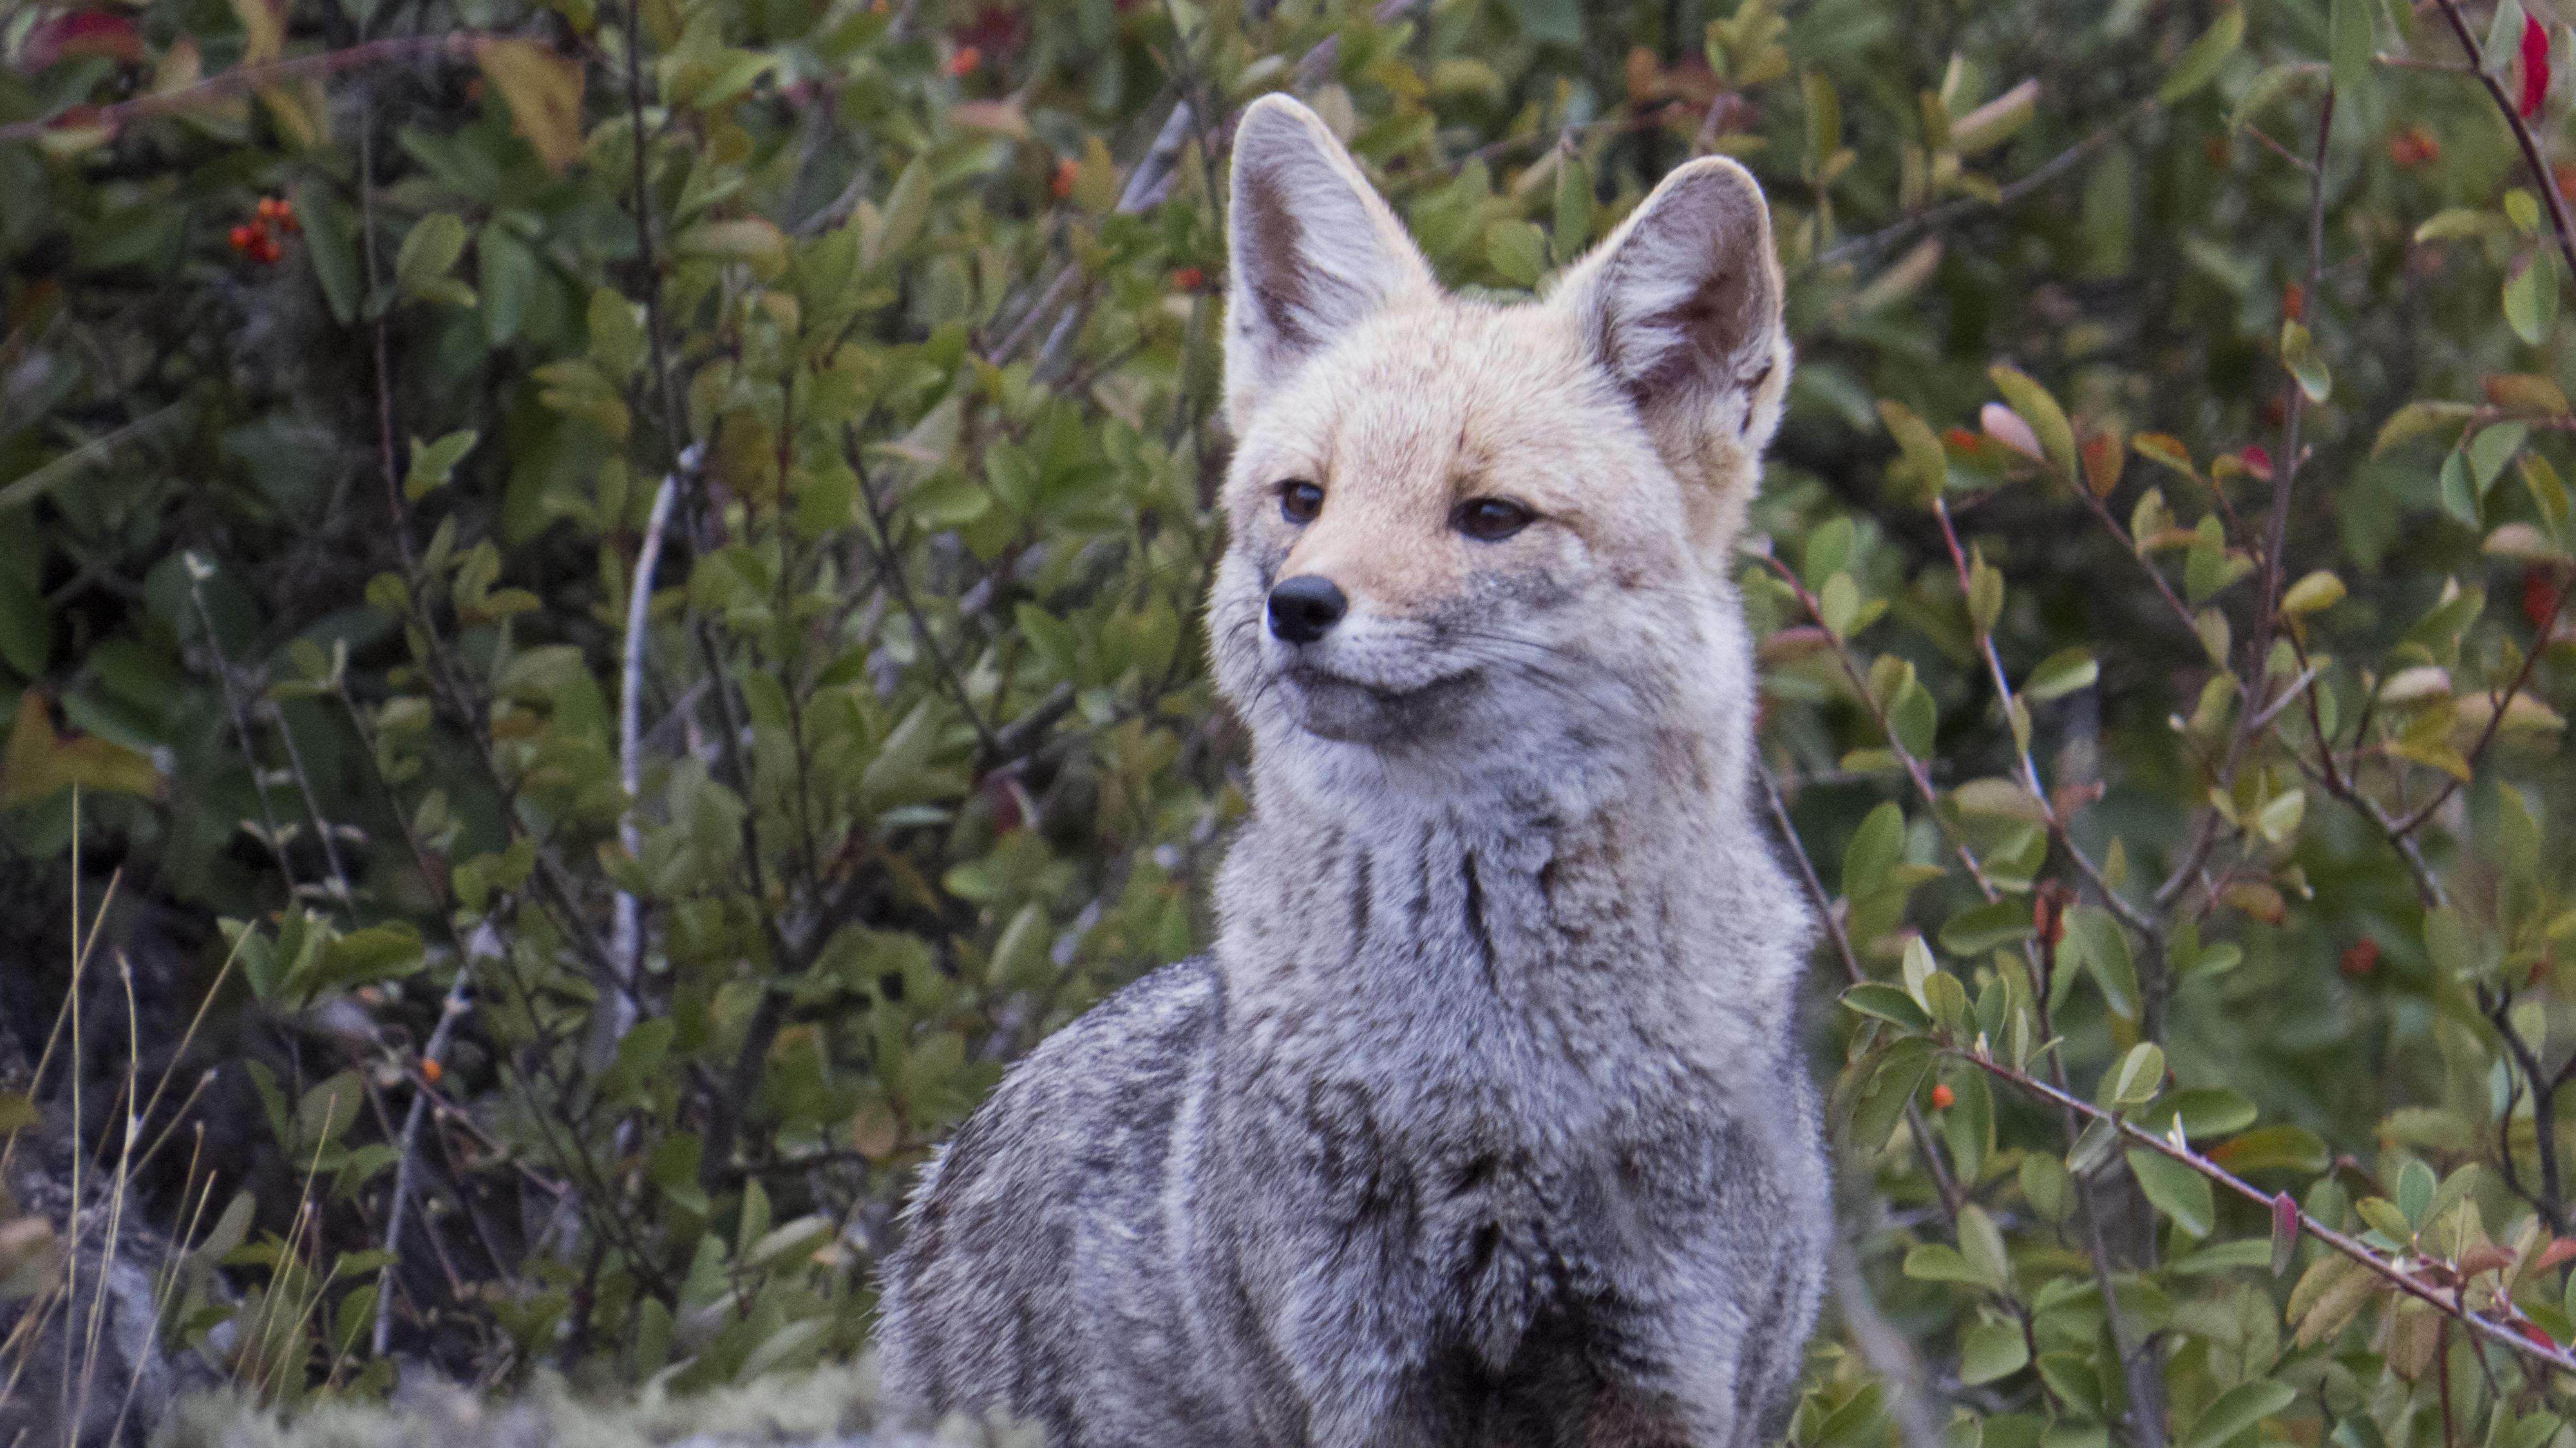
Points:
(2257, 460)
(86, 32)
(2557, 1252)
(2533, 1331)
(2539, 597)
(2535, 66)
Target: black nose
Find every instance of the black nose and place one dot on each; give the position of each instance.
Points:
(1304, 608)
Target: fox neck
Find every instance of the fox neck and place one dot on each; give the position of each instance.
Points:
(1642, 887)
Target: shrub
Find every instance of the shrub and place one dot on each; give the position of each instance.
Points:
(621, 584)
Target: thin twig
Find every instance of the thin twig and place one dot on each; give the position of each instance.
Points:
(1937, 217)
(241, 728)
(406, 1163)
(2397, 1276)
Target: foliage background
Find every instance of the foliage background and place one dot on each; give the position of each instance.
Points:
(646, 642)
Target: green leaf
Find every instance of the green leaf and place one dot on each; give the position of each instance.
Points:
(2237, 1409)
(1887, 1003)
(2315, 593)
(2062, 673)
(2298, 352)
(2386, 1218)
(1882, 1105)
(429, 252)
(2531, 297)
(1875, 850)
(2415, 1188)
(1573, 207)
(2032, 403)
(2200, 64)
(2491, 449)
(2176, 1190)
(2104, 951)
(2416, 419)
(432, 464)
(507, 278)
(2137, 1079)
(1981, 1242)
(1981, 928)
(1924, 462)
(1518, 250)
(2458, 493)
(2348, 47)
(328, 245)
(2205, 1111)
(1992, 1351)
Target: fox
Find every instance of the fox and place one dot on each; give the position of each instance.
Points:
(1486, 1117)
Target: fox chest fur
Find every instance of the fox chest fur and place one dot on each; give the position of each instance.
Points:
(1485, 1052)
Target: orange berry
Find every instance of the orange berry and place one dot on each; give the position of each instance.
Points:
(1943, 1097)
(963, 63)
(1062, 185)
(243, 238)
(267, 208)
(430, 1070)
(1188, 279)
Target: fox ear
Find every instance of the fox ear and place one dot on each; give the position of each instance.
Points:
(1682, 306)
(1313, 248)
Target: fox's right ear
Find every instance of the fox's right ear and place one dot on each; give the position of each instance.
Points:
(1314, 249)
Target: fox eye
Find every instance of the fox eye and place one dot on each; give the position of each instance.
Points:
(1300, 501)
(1491, 520)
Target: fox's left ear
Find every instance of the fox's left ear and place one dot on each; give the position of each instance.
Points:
(1314, 249)
(1682, 307)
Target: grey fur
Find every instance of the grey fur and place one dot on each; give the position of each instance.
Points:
(1485, 1121)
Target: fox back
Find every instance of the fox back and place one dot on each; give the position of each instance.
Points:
(1485, 1119)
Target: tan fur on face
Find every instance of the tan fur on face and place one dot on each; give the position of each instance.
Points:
(1627, 409)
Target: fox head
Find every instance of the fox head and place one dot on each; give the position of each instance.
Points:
(1482, 550)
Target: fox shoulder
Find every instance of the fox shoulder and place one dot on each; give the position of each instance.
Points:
(980, 1301)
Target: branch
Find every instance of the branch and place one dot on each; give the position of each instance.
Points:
(2542, 177)
(626, 941)
(1938, 217)
(2451, 1304)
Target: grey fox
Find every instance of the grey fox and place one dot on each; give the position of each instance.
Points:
(1485, 1121)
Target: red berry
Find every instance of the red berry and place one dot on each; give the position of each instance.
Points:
(267, 250)
(1943, 1097)
(1188, 279)
(243, 237)
(963, 63)
(2361, 957)
(1065, 173)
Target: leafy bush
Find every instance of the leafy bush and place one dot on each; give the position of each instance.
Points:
(621, 584)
